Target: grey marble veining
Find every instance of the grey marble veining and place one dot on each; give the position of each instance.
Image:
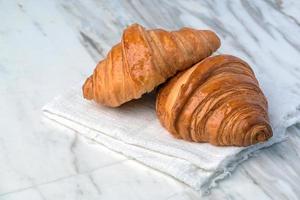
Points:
(48, 46)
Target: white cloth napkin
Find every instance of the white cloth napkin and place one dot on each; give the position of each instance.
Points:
(135, 131)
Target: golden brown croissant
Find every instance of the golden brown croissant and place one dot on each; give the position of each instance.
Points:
(217, 100)
(145, 59)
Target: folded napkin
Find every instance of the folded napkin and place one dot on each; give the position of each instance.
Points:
(134, 130)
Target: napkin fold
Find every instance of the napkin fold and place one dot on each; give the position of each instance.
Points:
(134, 130)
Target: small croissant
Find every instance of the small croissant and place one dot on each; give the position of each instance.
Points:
(218, 101)
(143, 60)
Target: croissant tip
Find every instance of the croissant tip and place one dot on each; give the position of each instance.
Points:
(213, 39)
(87, 89)
(262, 134)
(134, 25)
(261, 137)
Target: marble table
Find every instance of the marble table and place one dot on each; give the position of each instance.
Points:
(48, 46)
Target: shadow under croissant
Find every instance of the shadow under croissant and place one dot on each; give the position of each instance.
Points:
(136, 105)
(148, 100)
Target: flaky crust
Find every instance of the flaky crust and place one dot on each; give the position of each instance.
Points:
(218, 100)
(145, 59)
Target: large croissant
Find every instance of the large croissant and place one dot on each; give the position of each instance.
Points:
(217, 100)
(143, 60)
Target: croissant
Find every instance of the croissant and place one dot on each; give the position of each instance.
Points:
(218, 101)
(143, 60)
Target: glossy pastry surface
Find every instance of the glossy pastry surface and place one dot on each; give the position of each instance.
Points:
(218, 100)
(143, 60)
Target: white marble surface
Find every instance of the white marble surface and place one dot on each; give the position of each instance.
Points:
(48, 46)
